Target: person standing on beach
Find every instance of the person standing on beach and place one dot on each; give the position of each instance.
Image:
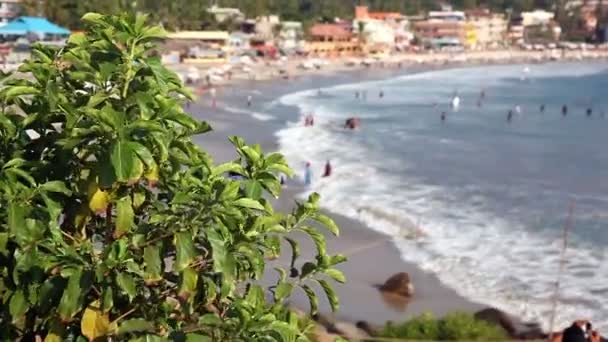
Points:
(212, 92)
(249, 99)
(308, 174)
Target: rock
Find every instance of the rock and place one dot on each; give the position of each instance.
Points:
(497, 317)
(513, 328)
(321, 335)
(371, 331)
(350, 332)
(399, 284)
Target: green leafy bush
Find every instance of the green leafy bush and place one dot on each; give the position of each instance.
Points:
(453, 327)
(114, 223)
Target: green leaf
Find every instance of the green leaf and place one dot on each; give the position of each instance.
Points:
(317, 238)
(286, 331)
(127, 284)
(248, 203)
(282, 291)
(107, 299)
(336, 275)
(295, 250)
(210, 291)
(223, 262)
(227, 167)
(18, 306)
(123, 160)
(3, 241)
(210, 320)
(198, 338)
(135, 325)
(185, 252)
(16, 222)
(154, 32)
(143, 153)
(331, 295)
(15, 91)
(188, 284)
(94, 18)
(124, 217)
(70, 302)
(231, 191)
(253, 189)
(255, 296)
(312, 299)
(56, 186)
(152, 264)
(327, 222)
(307, 269)
(252, 155)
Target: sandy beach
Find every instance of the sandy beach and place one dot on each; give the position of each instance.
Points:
(372, 256)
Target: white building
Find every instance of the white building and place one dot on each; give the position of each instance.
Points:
(491, 28)
(9, 10)
(222, 14)
(447, 15)
(290, 35)
(537, 17)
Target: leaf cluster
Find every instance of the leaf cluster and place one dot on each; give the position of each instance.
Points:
(114, 223)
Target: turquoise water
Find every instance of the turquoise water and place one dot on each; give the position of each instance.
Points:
(490, 197)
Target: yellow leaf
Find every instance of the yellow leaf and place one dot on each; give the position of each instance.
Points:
(52, 338)
(94, 323)
(152, 175)
(99, 201)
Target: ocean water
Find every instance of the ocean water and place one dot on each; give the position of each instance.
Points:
(477, 200)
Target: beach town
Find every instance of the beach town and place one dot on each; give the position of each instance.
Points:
(253, 78)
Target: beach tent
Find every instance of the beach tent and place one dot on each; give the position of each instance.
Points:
(23, 26)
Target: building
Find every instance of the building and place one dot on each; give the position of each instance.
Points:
(222, 14)
(9, 10)
(382, 31)
(491, 28)
(200, 46)
(331, 40)
(291, 34)
(445, 29)
(537, 17)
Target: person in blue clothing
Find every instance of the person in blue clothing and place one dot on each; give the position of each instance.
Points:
(308, 174)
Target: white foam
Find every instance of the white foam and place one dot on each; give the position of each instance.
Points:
(253, 114)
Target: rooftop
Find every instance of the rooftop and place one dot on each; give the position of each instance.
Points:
(330, 30)
(199, 35)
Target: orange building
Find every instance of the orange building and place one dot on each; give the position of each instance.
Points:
(331, 40)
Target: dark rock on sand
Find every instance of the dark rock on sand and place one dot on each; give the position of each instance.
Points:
(371, 331)
(513, 328)
(399, 284)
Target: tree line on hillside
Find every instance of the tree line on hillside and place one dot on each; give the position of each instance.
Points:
(192, 14)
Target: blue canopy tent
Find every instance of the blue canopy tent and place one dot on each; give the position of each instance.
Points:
(23, 26)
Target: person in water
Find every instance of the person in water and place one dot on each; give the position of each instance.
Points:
(564, 110)
(357, 94)
(510, 115)
(249, 99)
(589, 112)
(327, 172)
(381, 94)
(443, 116)
(308, 174)
(542, 108)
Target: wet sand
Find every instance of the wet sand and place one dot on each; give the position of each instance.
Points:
(373, 258)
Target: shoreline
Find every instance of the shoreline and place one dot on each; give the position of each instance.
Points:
(360, 299)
